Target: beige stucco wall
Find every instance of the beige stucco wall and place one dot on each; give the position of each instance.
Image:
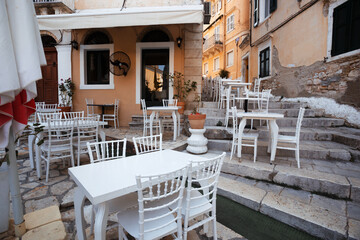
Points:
(124, 85)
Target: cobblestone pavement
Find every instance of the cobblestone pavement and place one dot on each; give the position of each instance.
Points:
(59, 190)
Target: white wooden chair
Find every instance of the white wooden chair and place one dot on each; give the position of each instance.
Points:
(147, 144)
(73, 115)
(44, 117)
(107, 150)
(146, 120)
(58, 142)
(90, 110)
(39, 105)
(248, 139)
(264, 98)
(253, 96)
(50, 107)
(200, 199)
(228, 113)
(87, 131)
(169, 102)
(293, 140)
(166, 119)
(104, 151)
(114, 116)
(153, 219)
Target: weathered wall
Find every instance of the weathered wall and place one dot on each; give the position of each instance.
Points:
(339, 79)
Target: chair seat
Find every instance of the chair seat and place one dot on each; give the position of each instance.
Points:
(250, 136)
(198, 204)
(284, 138)
(108, 115)
(129, 219)
(55, 148)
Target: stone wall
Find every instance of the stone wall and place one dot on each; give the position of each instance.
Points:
(339, 79)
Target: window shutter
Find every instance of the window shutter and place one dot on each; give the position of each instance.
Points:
(273, 5)
(256, 12)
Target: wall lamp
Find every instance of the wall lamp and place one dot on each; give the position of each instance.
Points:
(179, 41)
(74, 44)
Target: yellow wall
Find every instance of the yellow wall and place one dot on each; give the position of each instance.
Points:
(124, 39)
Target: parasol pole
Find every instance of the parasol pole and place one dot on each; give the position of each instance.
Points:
(17, 206)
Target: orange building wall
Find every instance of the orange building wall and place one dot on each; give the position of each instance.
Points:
(124, 39)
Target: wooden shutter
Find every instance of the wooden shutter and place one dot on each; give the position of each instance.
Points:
(256, 12)
(273, 5)
(355, 26)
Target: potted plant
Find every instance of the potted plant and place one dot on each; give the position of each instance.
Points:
(196, 119)
(223, 73)
(182, 88)
(66, 91)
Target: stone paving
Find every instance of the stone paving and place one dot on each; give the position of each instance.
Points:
(59, 190)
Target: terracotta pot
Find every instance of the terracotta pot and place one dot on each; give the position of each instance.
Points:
(182, 105)
(65, 109)
(197, 121)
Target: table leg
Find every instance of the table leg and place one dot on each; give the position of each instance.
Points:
(102, 135)
(274, 135)
(101, 215)
(175, 124)
(31, 140)
(152, 115)
(178, 119)
(79, 200)
(38, 156)
(240, 133)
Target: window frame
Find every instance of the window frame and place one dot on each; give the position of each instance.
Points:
(262, 47)
(330, 35)
(227, 58)
(232, 16)
(83, 49)
(214, 65)
(206, 68)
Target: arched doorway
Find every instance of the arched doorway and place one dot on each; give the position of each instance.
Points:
(47, 87)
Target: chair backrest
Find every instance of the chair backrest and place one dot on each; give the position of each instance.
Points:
(87, 129)
(50, 106)
(206, 174)
(143, 107)
(44, 117)
(147, 144)
(39, 105)
(264, 100)
(257, 85)
(73, 115)
(235, 121)
(89, 109)
(59, 133)
(107, 150)
(116, 106)
(169, 102)
(298, 123)
(169, 189)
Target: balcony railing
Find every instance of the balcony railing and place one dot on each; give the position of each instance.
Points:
(69, 4)
(214, 41)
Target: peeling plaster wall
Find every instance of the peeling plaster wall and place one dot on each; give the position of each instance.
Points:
(339, 79)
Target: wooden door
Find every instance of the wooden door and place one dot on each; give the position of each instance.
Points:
(47, 88)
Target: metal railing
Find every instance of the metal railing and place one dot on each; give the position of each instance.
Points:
(216, 39)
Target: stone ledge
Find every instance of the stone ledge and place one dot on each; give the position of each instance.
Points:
(51, 231)
(42, 217)
(355, 189)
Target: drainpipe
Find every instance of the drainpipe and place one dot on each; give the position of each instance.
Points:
(224, 48)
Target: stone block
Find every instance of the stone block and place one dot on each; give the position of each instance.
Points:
(35, 193)
(240, 192)
(193, 53)
(297, 195)
(193, 70)
(61, 187)
(53, 231)
(333, 205)
(353, 210)
(355, 189)
(42, 217)
(68, 199)
(191, 62)
(354, 229)
(193, 44)
(258, 170)
(314, 220)
(313, 181)
(33, 205)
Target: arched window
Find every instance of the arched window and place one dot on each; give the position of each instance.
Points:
(94, 61)
(48, 41)
(155, 36)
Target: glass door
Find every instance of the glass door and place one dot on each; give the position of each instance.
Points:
(154, 72)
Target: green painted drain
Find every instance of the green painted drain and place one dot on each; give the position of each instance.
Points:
(253, 225)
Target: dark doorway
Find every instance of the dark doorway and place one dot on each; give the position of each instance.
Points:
(47, 87)
(154, 76)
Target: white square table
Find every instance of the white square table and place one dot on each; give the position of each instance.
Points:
(273, 128)
(175, 116)
(104, 181)
(32, 141)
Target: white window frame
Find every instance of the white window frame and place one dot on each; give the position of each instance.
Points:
(227, 58)
(83, 49)
(262, 13)
(218, 60)
(247, 55)
(217, 33)
(218, 6)
(152, 45)
(230, 25)
(261, 47)
(330, 33)
(206, 68)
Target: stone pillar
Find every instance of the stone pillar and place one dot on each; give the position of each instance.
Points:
(64, 62)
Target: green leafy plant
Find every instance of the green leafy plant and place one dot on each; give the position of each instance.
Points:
(182, 87)
(223, 73)
(219, 123)
(197, 101)
(66, 88)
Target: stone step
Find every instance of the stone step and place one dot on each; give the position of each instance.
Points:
(317, 215)
(322, 150)
(286, 105)
(287, 122)
(347, 136)
(294, 112)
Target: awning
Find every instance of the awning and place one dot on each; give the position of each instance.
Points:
(104, 18)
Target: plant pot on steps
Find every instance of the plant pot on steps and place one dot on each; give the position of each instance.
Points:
(4, 198)
(182, 105)
(197, 121)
